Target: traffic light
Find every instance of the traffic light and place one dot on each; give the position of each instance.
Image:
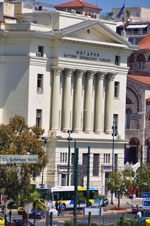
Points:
(114, 131)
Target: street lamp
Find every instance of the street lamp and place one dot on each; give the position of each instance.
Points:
(69, 139)
(114, 133)
(44, 139)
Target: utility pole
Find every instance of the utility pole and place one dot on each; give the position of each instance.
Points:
(69, 139)
(88, 176)
(75, 187)
(114, 128)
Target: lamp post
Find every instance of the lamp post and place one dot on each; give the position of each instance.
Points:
(44, 139)
(69, 139)
(114, 133)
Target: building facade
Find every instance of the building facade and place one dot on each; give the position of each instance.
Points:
(138, 105)
(136, 23)
(63, 71)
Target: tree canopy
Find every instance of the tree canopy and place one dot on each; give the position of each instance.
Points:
(16, 138)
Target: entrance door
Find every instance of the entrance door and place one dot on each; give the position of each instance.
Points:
(63, 179)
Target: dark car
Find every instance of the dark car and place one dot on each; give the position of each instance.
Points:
(19, 222)
(37, 214)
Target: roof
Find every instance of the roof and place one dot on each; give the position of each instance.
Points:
(77, 3)
(134, 26)
(145, 42)
(144, 79)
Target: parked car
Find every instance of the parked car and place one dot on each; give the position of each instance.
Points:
(20, 210)
(38, 214)
(19, 222)
(136, 208)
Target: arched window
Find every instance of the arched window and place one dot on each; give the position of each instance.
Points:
(140, 58)
(128, 101)
(147, 143)
(148, 116)
(134, 141)
(128, 113)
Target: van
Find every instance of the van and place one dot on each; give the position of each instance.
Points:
(137, 205)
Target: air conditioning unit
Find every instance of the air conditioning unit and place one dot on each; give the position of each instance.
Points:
(38, 54)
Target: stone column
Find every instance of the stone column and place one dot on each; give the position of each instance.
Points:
(67, 100)
(88, 102)
(56, 98)
(109, 103)
(99, 104)
(78, 99)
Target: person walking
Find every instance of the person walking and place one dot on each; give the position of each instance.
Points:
(56, 205)
(60, 206)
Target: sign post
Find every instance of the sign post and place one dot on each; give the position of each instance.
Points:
(146, 200)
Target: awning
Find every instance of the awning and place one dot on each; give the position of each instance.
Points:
(134, 26)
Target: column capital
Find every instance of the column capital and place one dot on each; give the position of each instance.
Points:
(101, 75)
(68, 72)
(111, 76)
(57, 70)
(90, 74)
(79, 73)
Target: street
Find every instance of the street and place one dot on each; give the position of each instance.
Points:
(108, 217)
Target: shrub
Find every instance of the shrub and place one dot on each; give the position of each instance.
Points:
(68, 223)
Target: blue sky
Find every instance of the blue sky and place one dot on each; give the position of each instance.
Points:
(107, 5)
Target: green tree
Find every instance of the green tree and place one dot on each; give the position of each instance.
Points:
(16, 138)
(81, 198)
(120, 183)
(142, 178)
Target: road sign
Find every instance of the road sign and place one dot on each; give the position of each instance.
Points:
(146, 200)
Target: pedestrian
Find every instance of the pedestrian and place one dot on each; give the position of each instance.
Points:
(60, 206)
(56, 205)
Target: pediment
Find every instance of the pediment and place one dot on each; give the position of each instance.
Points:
(94, 32)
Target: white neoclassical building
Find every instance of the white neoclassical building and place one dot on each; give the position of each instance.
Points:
(64, 71)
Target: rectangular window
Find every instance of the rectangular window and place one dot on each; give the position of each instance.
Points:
(40, 52)
(116, 89)
(106, 158)
(116, 161)
(39, 83)
(72, 158)
(85, 164)
(115, 124)
(95, 164)
(63, 157)
(117, 60)
(39, 117)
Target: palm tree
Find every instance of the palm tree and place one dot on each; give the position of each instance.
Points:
(38, 203)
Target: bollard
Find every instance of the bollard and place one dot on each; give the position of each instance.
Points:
(89, 219)
(147, 222)
(51, 218)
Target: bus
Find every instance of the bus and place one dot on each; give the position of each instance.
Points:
(66, 195)
(94, 194)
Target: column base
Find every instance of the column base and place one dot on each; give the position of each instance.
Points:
(76, 131)
(99, 131)
(87, 131)
(65, 130)
(108, 131)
